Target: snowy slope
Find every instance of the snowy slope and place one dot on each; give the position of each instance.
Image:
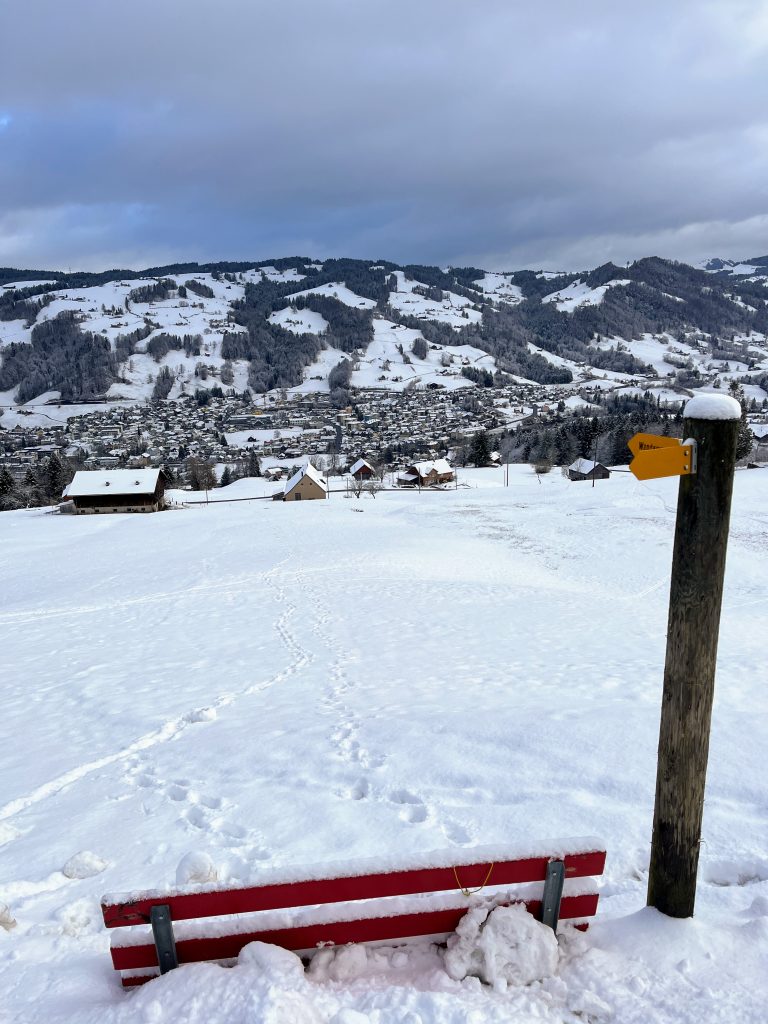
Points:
(338, 291)
(454, 309)
(382, 364)
(277, 686)
(299, 320)
(14, 331)
(500, 288)
(10, 286)
(580, 294)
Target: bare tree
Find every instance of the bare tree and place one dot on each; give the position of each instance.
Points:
(372, 486)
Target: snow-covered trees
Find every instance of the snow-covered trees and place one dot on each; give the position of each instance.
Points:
(60, 357)
(200, 475)
(746, 439)
(480, 449)
(163, 384)
(419, 348)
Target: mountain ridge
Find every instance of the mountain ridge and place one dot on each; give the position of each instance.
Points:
(292, 321)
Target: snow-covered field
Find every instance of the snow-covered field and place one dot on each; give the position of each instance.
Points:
(579, 294)
(284, 685)
(383, 365)
(453, 309)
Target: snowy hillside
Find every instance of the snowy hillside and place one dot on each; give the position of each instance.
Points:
(578, 294)
(275, 686)
(112, 337)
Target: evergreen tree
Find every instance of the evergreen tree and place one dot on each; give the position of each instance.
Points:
(746, 439)
(564, 448)
(226, 477)
(54, 477)
(480, 449)
(7, 483)
(253, 468)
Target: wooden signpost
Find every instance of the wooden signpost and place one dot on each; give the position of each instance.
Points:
(698, 567)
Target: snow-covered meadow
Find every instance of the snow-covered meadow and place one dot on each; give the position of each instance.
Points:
(283, 685)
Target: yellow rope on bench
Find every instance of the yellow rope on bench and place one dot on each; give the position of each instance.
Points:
(469, 892)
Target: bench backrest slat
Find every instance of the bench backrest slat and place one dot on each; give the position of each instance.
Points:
(374, 929)
(214, 903)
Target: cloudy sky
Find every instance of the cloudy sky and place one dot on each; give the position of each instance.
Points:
(540, 133)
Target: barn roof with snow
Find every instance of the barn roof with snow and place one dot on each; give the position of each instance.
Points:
(585, 466)
(586, 469)
(438, 465)
(360, 464)
(104, 482)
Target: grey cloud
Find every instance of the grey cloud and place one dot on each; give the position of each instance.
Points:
(494, 133)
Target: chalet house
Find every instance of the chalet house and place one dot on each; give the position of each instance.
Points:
(305, 485)
(427, 474)
(117, 490)
(585, 469)
(362, 470)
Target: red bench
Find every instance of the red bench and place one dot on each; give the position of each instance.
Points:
(154, 937)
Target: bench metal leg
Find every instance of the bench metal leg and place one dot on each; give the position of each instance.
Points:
(162, 932)
(553, 891)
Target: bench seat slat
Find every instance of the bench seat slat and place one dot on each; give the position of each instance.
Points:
(215, 903)
(376, 929)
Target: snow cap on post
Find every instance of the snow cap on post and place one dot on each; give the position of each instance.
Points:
(712, 407)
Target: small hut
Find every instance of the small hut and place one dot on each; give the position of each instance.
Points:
(362, 470)
(586, 469)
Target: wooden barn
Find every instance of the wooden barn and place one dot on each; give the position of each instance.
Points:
(117, 490)
(585, 469)
(362, 470)
(305, 485)
(427, 474)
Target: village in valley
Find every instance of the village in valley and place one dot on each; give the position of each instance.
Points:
(277, 434)
(394, 438)
(211, 375)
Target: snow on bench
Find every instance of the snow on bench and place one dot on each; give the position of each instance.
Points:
(371, 901)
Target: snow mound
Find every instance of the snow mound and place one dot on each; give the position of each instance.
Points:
(7, 920)
(84, 865)
(279, 964)
(506, 945)
(197, 868)
(344, 963)
(347, 1016)
(712, 407)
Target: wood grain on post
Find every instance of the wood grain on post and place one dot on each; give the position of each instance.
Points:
(698, 568)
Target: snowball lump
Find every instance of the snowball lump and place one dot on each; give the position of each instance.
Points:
(274, 961)
(84, 865)
(196, 868)
(508, 944)
(340, 963)
(349, 963)
(7, 920)
(349, 1016)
